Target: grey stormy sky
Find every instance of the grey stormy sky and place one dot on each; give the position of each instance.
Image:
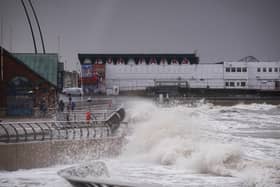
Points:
(218, 29)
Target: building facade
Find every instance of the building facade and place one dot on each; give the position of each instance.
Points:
(70, 79)
(100, 72)
(141, 73)
(26, 80)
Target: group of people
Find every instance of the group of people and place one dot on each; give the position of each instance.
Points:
(70, 106)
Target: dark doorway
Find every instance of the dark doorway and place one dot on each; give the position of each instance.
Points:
(19, 97)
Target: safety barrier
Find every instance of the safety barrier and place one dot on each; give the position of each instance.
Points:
(11, 132)
(79, 115)
(48, 130)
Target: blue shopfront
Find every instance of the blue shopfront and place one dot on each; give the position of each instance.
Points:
(20, 97)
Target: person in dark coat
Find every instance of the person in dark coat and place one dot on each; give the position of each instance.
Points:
(73, 105)
(61, 106)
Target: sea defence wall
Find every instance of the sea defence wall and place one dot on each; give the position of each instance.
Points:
(25, 145)
(26, 155)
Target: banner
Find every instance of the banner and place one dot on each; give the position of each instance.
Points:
(93, 78)
(87, 70)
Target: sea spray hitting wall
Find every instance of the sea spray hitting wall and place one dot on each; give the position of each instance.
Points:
(178, 136)
(194, 139)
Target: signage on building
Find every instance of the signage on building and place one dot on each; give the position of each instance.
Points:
(93, 77)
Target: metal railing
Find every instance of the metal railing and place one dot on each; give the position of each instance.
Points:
(80, 115)
(11, 132)
(48, 130)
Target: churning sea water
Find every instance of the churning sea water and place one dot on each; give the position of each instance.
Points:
(187, 145)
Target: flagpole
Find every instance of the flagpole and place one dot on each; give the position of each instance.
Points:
(2, 65)
(2, 61)
(2, 30)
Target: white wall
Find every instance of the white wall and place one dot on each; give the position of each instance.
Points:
(138, 77)
(263, 80)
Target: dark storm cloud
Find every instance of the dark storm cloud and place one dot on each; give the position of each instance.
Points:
(218, 29)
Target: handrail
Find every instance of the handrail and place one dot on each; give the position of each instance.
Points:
(33, 130)
(48, 130)
(25, 131)
(17, 136)
(6, 131)
(40, 131)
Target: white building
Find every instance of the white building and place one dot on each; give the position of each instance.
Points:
(226, 75)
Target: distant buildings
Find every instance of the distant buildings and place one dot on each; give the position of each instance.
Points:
(138, 72)
(70, 79)
(97, 79)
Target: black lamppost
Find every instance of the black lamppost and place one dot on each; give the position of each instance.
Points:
(30, 25)
(37, 21)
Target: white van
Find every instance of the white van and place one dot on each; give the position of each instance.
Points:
(73, 91)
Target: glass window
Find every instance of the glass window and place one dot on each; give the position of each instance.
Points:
(270, 69)
(226, 84)
(227, 69)
(238, 84)
(275, 69)
(264, 69)
(244, 69)
(243, 84)
(238, 69)
(232, 69)
(259, 69)
(231, 84)
(19, 85)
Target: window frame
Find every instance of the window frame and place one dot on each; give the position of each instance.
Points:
(244, 69)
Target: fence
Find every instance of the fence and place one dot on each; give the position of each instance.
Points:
(11, 132)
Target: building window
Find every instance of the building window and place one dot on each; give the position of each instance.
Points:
(243, 84)
(244, 69)
(226, 84)
(232, 69)
(275, 69)
(264, 69)
(238, 69)
(238, 84)
(231, 84)
(259, 70)
(19, 85)
(227, 69)
(270, 69)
